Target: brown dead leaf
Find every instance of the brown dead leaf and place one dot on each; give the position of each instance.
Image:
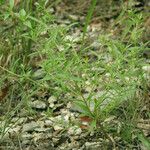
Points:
(86, 119)
(16, 2)
(3, 92)
(84, 127)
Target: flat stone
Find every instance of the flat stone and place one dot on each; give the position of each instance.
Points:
(28, 127)
(55, 140)
(26, 136)
(48, 123)
(93, 145)
(96, 45)
(146, 69)
(42, 129)
(75, 130)
(57, 127)
(18, 120)
(73, 17)
(14, 131)
(51, 101)
(38, 74)
(38, 104)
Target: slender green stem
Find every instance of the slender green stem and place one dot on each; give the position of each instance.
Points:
(88, 18)
(21, 76)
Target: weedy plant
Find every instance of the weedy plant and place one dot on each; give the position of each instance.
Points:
(21, 32)
(119, 80)
(116, 74)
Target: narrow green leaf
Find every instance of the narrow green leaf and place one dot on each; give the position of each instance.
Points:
(22, 13)
(145, 142)
(84, 109)
(28, 24)
(11, 4)
(89, 16)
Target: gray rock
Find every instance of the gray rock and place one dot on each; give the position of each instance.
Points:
(75, 130)
(25, 142)
(57, 127)
(48, 123)
(42, 129)
(14, 131)
(146, 54)
(26, 136)
(73, 17)
(55, 140)
(51, 10)
(146, 69)
(93, 145)
(18, 121)
(38, 74)
(28, 127)
(51, 101)
(38, 104)
(96, 45)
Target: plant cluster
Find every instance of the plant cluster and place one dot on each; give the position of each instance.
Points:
(30, 39)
